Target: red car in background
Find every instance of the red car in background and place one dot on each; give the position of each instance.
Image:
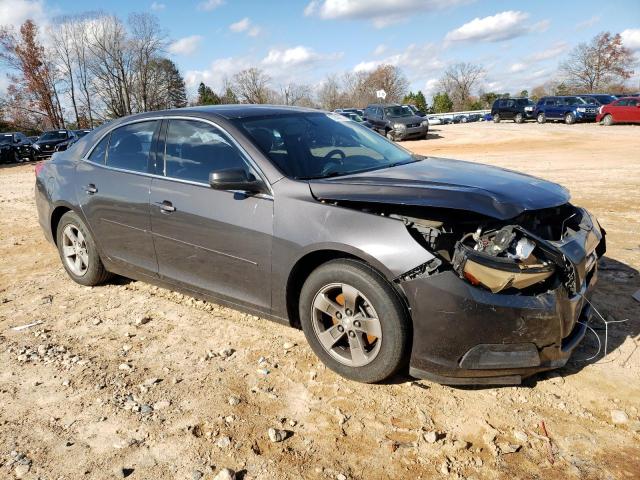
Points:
(623, 110)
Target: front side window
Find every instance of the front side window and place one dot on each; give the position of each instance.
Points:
(319, 145)
(194, 149)
(574, 101)
(130, 145)
(397, 111)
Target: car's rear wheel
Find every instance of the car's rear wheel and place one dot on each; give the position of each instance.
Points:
(354, 321)
(541, 118)
(389, 135)
(518, 118)
(496, 118)
(608, 120)
(16, 157)
(569, 118)
(78, 251)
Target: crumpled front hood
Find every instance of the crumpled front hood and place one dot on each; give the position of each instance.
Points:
(444, 183)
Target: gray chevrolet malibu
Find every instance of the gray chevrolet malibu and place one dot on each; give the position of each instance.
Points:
(389, 261)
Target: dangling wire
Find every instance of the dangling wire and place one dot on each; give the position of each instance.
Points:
(606, 330)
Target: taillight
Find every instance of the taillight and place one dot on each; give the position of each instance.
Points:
(39, 166)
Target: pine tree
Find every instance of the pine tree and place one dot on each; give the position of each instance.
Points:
(206, 96)
(442, 103)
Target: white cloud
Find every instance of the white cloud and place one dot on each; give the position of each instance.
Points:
(590, 22)
(295, 56)
(209, 5)
(381, 13)
(367, 66)
(380, 49)
(631, 38)
(15, 12)
(553, 51)
(245, 25)
(158, 6)
(518, 67)
(186, 45)
(495, 28)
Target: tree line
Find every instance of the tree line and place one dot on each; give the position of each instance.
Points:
(95, 67)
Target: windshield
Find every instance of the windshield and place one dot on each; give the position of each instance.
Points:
(574, 101)
(355, 117)
(56, 135)
(318, 145)
(398, 111)
(5, 139)
(525, 101)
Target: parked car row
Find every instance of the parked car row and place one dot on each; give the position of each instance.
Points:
(569, 109)
(16, 147)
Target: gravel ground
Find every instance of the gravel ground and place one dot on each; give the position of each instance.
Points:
(130, 380)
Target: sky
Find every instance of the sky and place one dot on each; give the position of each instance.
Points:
(519, 43)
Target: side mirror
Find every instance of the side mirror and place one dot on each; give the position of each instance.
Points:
(235, 179)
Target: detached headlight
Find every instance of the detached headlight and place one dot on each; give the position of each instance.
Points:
(499, 260)
(399, 126)
(581, 109)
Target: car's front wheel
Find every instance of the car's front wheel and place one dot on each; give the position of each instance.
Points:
(518, 118)
(78, 251)
(496, 118)
(608, 120)
(354, 321)
(569, 118)
(541, 118)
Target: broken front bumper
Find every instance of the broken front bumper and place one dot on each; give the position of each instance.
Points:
(468, 335)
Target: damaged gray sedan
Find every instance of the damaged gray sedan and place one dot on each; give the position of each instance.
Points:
(389, 261)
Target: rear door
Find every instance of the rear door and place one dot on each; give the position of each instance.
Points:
(214, 241)
(112, 189)
(633, 111)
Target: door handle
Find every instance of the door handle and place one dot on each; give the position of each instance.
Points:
(166, 206)
(90, 189)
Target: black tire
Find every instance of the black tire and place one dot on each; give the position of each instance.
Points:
(496, 118)
(393, 353)
(95, 273)
(541, 118)
(608, 120)
(16, 157)
(519, 118)
(569, 118)
(389, 135)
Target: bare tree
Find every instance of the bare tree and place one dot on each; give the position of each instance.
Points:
(330, 94)
(388, 78)
(61, 34)
(459, 80)
(147, 43)
(598, 64)
(295, 94)
(252, 86)
(36, 75)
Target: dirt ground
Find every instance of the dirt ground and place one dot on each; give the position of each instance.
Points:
(129, 380)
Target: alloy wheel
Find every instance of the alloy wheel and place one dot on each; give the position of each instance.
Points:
(74, 250)
(346, 324)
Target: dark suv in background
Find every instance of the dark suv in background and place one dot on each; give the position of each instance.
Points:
(569, 109)
(396, 122)
(15, 147)
(48, 141)
(516, 109)
(598, 98)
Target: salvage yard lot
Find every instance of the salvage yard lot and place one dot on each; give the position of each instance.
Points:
(130, 376)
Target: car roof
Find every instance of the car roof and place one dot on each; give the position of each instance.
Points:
(244, 111)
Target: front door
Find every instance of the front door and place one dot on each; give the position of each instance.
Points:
(113, 192)
(210, 240)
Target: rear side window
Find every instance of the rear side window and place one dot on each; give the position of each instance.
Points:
(130, 145)
(632, 102)
(550, 101)
(194, 149)
(98, 153)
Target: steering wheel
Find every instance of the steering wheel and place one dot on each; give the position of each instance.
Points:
(330, 162)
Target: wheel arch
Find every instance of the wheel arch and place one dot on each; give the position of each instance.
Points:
(308, 262)
(56, 215)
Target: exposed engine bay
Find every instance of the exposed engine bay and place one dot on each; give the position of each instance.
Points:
(523, 255)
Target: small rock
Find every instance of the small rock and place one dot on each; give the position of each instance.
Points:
(124, 366)
(226, 352)
(506, 448)
(619, 417)
(262, 371)
(97, 321)
(288, 345)
(341, 476)
(225, 474)
(146, 409)
(276, 435)
(151, 381)
(65, 383)
(430, 437)
(520, 436)
(161, 405)
(233, 401)
(21, 470)
(444, 468)
(197, 475)
(223, 442)
(143, 320)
